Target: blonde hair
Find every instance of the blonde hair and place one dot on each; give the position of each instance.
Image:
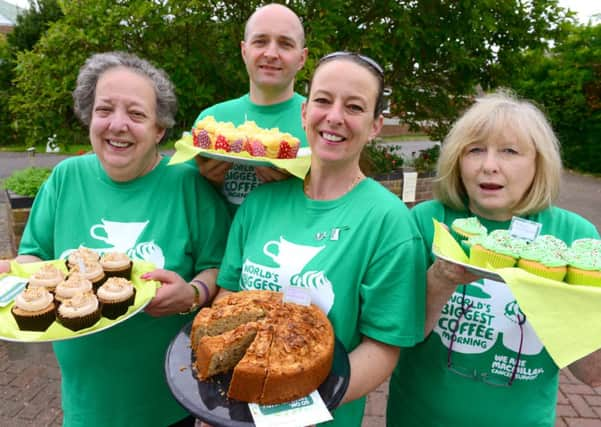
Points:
(488, 117)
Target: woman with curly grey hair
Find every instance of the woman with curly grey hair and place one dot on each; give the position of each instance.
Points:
(125, 198)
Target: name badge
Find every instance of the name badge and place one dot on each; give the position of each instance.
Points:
(300, 296)
(524, 229)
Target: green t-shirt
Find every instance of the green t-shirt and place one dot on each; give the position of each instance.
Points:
(424, 392)
(171, 217)
(286, 116)
(352, 254)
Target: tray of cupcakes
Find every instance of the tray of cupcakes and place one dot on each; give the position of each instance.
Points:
(468, 243)
(64, 299)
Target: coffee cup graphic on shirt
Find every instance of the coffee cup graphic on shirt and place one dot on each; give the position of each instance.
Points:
(290, 255)
(120, 235)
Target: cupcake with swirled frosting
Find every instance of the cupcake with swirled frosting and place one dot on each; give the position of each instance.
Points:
(498, 250)
(80, 312)
(116, 295)
(545, 257)
(465, 228)
(584, 262)
(48, 276)
(34, 309)
(72, 286)
(116, 264)
(91, 270)
(82, 254)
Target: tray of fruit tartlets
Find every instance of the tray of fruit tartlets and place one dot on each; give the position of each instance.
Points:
(64, 299)
(246, 144)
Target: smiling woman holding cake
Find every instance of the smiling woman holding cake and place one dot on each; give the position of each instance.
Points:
(339, 235)
(483, 364)
(124, 198)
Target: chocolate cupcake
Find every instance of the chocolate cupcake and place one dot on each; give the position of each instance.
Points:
(82, 254)
(48, 277)
(80, 312)
(34, 309)
(72, 286)
(116, 295)
(116, 264)
(91, 270)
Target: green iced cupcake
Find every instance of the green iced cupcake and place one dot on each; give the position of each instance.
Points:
(544, 257)
(498, 250)
(464, 228)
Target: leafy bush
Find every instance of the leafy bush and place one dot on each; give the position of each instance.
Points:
(26, 182)
(425, 162)
(380, 158)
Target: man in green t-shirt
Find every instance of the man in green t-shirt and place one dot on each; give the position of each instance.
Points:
(273, 51)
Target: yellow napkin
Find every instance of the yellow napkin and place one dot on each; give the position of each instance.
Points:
(444, 244)
(565, 317)
(185, 150)
(145, 291)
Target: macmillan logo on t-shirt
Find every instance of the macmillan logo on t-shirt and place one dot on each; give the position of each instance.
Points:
(291, 259)
(479, 318)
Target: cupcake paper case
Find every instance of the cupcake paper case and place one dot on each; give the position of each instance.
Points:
(34, 309)
(145, 291)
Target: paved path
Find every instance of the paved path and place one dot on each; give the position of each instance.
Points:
(30, 379)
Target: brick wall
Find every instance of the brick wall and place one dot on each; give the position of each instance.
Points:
(423, 190)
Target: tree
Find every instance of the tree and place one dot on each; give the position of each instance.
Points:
(566, 81)
(29, 28)
(435, 53)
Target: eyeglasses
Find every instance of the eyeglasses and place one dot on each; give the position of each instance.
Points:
(365, 59)
(486, 378)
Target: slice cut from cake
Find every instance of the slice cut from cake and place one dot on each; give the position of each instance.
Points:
(220, 353)
(250, 373)
(214, 321)
(301, 354)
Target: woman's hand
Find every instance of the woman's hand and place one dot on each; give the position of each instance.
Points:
(443, 277)
(4, 266)
(451, 274)
(21, 259)
(212, 169)
(268, 174)
(174, 296)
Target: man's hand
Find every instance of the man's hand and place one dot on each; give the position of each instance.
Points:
(267, 174)
(213, 170)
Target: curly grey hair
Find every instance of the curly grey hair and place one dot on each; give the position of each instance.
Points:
(85, 90)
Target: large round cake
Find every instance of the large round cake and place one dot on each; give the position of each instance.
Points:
(278, 351)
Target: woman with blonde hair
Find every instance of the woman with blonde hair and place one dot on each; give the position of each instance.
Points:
(482, 363)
